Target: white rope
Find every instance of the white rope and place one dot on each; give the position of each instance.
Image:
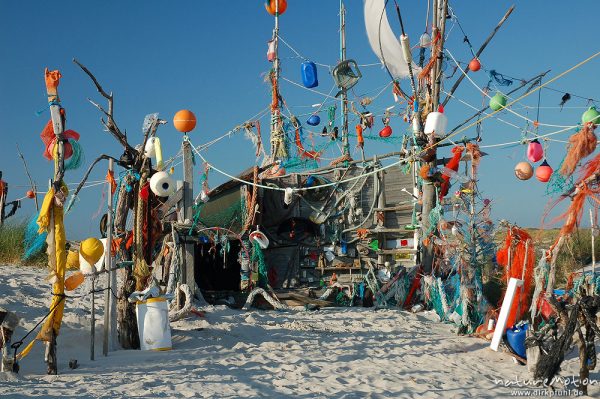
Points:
(539, 136)
(304, 188)
(505, 108)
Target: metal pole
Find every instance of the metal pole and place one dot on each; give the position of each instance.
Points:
(109, 302)
(593, 225)
(344, 100)
(92, 322)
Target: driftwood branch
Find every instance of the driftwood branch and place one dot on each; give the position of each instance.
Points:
(31, 182)
(483, 46)
(110, 123)
(85, 177)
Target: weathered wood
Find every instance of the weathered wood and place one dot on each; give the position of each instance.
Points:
(110, 123)
(483, 46)
(3, 195)
(110, 309)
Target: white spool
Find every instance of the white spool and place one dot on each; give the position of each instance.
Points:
(162, 184)
(406, 48)
(287, 198)
(436, 122)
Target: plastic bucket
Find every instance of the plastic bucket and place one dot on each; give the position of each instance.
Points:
(516, 339)
(153, 324)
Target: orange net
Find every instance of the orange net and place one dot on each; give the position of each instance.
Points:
(520, 266)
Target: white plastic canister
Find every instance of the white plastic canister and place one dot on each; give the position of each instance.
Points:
(436, 121)
(153, 324)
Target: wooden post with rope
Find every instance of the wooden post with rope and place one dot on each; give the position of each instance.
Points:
(3, 196)
(185, 217)
(110, 306)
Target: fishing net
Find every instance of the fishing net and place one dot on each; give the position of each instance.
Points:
(33, 242)
(258, 257)
(226, 218)
(558, 183)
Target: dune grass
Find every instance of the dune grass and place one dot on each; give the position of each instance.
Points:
(11, 246)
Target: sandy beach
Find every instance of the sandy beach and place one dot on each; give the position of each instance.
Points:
(332, 352)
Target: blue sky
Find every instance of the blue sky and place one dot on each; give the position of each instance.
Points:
(209, 56)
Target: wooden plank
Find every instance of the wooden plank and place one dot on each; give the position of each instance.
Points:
(172, 201)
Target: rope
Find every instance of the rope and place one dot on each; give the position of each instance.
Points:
(506, 107)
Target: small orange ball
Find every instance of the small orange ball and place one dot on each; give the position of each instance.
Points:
(30, 194)
(184, 121)
(271, 6)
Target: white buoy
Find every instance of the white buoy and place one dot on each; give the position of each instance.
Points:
(162, 184)
(287, 198)
(436, 122)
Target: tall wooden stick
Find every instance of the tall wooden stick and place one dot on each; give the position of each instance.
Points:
(31, 182)
(110, 306)
(483, 46)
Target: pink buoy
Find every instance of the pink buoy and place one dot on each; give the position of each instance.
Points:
(535, 151)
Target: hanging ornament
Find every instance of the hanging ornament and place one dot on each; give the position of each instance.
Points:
(308, 70)
(271, 50)
(425, 40)
(497, 102)
(271, 6)
(535, 151)
(523, 171)
(385, 132)
(543, 172)
(436, 122)
(591, 115)
(474, 65)
(314, 120)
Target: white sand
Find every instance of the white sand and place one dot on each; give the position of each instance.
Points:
(337, 353)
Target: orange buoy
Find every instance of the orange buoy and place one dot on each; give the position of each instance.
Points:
(544, 172)
(184, 121)
(30, 194)
(74, 281)
(271, 6)
(474, 65)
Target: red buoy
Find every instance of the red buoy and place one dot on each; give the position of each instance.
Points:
(474, 65)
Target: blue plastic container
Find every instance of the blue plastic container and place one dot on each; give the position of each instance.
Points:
(516, 339)
(314, 120)
(309, 74)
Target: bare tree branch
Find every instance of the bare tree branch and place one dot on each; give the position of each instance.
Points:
(84, 179)
(33, 185)
(110, 123)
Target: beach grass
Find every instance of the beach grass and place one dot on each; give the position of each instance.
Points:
(11, 246)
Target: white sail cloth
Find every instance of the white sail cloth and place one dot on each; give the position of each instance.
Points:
(384, 43)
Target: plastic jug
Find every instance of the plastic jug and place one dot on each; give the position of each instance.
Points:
(309, 74)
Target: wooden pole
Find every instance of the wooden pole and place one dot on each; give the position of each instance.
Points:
(344, 99)
(31, 182)
(52, 82)
(185, 217)
(110, 308)
(483, 46)
(3, 196)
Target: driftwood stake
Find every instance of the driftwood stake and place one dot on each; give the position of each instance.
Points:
(31, 182)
